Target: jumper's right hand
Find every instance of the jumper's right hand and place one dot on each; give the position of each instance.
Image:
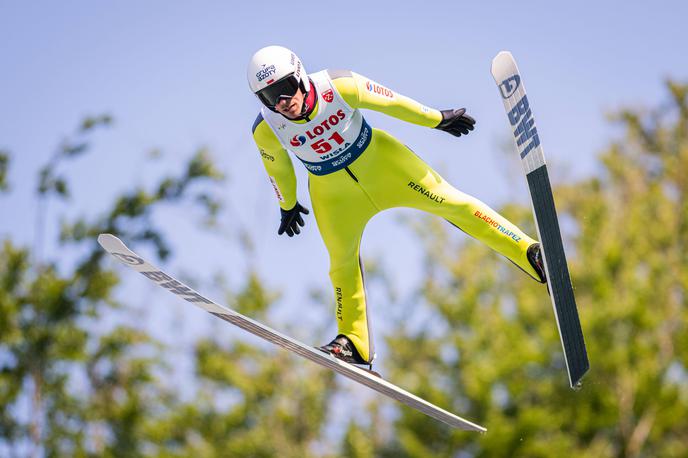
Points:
(291, 220)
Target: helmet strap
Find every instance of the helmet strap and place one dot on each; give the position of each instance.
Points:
(308, 99)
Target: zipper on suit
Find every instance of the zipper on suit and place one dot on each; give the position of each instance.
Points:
(351, 174)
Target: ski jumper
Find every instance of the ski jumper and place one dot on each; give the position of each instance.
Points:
(356, 171)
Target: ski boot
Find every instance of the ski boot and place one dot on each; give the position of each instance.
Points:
(534, 255)
(343, 349)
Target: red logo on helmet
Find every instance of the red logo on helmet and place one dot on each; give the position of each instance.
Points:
(328, 95)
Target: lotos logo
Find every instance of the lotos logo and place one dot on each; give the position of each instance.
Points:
(509, 86)
(324, 126)
(328, 95)
(265, 72)
(298, 140)
(377, 89)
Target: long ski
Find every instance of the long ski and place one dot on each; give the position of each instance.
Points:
(518, 110)
(115, 247)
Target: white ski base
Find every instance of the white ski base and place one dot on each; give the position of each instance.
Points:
(115, 247)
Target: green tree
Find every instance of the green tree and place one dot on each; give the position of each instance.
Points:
(47, 317)
(105, 393)
(251, 400)
(4, 166)
(479, 339)
(490, 349)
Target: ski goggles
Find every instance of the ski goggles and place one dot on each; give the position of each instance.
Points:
(284, 88)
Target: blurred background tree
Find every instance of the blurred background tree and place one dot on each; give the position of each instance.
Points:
(71, 389)
(488, 345)
(478, 338)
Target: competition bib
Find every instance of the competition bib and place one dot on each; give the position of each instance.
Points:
(334, 137)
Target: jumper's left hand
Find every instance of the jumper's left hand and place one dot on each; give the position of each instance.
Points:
(456, 122)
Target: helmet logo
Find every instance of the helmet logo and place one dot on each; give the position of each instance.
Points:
(265, 72)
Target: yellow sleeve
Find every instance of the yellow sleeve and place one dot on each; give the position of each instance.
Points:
(277, 163)
(361, 92)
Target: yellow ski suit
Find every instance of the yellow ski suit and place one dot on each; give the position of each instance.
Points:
(364, 171)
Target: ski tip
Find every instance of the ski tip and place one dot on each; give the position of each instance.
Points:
(109, 242)
(105, 238)
(503, 66)
(502, 56)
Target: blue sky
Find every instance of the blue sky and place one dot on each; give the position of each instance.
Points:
(173, 76)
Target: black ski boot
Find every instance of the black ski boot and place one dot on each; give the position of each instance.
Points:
(535, 258)
(342, 348)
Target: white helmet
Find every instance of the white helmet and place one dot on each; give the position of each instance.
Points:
(275, 72)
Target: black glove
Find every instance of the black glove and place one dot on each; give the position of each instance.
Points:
(291, 220)
(456, 122)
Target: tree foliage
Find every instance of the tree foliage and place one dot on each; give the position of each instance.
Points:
(75, 380)
(479, 340)
(252, 400)
(493, 353)
(4, 166)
